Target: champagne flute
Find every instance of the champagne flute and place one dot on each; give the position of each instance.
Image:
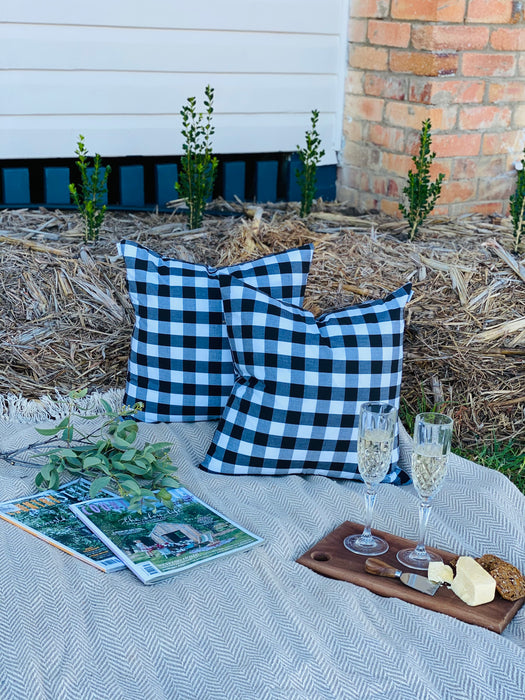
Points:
(377, 423)
(432, 440)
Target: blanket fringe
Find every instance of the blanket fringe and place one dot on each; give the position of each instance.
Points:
(15, 408)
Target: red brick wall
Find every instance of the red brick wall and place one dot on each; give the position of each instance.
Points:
(460, 63)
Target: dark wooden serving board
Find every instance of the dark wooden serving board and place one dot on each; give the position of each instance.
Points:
(329, 557)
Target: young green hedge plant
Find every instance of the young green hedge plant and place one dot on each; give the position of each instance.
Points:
(198, 165)
(517, 204)
(89, 197)
(310, 157)
(421, 194)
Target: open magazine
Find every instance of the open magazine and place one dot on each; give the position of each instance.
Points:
(47, 516)
(159, 543)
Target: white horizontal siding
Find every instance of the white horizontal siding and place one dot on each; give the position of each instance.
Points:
(315, 16)
(117, 135)
(119, 73)
(168, 50)
(121, 93)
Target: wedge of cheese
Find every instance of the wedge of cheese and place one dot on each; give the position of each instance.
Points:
(439, 572)
(472, 583)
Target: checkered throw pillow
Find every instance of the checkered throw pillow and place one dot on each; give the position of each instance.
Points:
(294, 407)
(180, 364)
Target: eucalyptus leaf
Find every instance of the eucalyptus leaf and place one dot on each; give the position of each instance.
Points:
(78, 393)
(79, 449)
(148, 494)
(48, 431)
(128, 456)
(73, 462)
(106, 405)
(98, 485)
(102, 445)
(120, 444)
(118, 466)
(66, 452)
(47, 470)
(130, 486)
(127, 427)
(169, 482)
(164, 496)
(67, 434)
(104, 468)
(91, 462)
(105, 459)
(54, 481)
(137, 469)
(135, 504)
(160, 446)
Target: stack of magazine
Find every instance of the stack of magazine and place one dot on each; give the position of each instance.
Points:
(104, 532)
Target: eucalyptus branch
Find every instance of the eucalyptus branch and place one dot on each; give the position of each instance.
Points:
(10, 455)
(106, 455)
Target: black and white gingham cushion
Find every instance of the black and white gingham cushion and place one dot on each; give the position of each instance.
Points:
(300, 383)
(180, 364)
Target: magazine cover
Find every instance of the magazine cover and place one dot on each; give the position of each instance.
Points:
(47, 516)
(158, 543)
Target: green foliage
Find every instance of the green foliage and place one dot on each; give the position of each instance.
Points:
(506, 457)
(198, 165)
(310, 157)
(93, 187)
(108, 457)
(421, 194)
(517, 206)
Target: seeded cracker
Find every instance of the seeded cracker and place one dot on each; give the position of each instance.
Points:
(510, 583)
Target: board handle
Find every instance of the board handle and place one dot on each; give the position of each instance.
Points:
(380, 568)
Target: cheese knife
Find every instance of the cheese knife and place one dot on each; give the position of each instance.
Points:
(418, 583)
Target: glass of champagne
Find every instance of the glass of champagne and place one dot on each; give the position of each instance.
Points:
(432, 440)
(377, 423)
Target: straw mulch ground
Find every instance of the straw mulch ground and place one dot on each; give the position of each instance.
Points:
(65, 319)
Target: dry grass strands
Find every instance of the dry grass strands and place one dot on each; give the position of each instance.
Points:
(66, 320)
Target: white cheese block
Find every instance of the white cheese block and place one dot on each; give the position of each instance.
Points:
(472, 583)
(439, 572)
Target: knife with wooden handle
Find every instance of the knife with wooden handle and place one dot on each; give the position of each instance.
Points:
(377, 567)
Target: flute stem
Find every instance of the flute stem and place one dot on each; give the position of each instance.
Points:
(370, 497)
(425, 507)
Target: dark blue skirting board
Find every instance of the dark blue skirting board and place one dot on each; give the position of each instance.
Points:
(165, 178)
(234, 179)
(145, 187)
(56, 186)
(15, 186)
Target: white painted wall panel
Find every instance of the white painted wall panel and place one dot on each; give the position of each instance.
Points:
(119, 73)
(169, 50)
(112, 135)
(316, 16)
(154, 93)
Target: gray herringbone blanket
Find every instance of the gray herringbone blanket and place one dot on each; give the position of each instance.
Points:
(257, 625)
